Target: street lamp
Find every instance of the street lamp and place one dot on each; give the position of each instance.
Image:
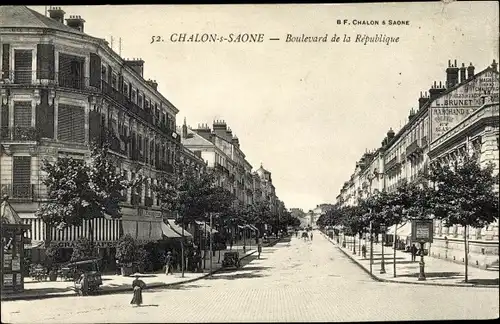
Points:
(382, 265)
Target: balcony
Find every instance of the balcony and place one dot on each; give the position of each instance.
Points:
(48, 77)
(413, 149)
(19, 134)
(392, 163)
(165, 167)
(23, 192)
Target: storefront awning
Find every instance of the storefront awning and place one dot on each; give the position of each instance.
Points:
(168, 232)
(253, 228)
(178, 229)
(34, 245)
(209, 230)
(402, 231)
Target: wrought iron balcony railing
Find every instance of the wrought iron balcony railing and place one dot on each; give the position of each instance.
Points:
(19, 134)
(24, 192)
(48, 77)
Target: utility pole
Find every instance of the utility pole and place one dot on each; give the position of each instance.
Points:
(371, 246)
(182, 248)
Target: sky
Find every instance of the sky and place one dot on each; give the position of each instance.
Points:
(306, 111)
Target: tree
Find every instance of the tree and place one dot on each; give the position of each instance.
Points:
(464, 194)
(80, 191)
(126, 251)
(82, 250)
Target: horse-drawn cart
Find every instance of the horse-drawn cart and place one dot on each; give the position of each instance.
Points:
(231, 259)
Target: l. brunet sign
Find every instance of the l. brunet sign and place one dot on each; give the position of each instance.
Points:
(422, 231)
(449, 110)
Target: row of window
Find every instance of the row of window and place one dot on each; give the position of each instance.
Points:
(136, 96)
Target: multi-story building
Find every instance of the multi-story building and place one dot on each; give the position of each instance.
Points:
(61, 89)
(455, 118)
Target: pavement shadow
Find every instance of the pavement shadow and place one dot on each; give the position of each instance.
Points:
(397, 258)
(149, 305)
(47, 290)
(493, 282)
(241, 275)
(400, 262)
(443, 275)
(178, 287)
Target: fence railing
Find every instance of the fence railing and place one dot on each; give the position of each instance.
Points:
(18, 133)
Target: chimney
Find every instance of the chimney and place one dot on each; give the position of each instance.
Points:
(229, 135)
(390, 135)
(184, 129)
(220, 128)
(411, 115)
(75, 22)
(494, 65)
(153, 84)
(422, 100)
(137, 65)
(204, 131)
(463, 77)
(236, 141)
(436, 90)
(470, 71)
(451, 75)
(57, 14)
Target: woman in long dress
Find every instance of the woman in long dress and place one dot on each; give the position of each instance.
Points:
(138, 285)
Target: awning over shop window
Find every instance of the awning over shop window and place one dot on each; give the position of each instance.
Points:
(253, 228)
(129, 227)
(34, 245)
(403, 230)
(178, 229)
(168, 232)
(209, 230)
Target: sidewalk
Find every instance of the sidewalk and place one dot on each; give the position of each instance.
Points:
(113, 283)
(438, 272)
(116, 283)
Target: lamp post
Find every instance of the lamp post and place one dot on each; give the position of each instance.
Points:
(382, 264)
(371, 246)
(211, 242)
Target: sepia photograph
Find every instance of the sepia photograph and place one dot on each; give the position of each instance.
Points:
(239, 163)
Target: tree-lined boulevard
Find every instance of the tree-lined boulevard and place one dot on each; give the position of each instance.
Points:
(293, 281)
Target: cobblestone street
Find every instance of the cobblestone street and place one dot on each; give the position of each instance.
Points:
(295, 281)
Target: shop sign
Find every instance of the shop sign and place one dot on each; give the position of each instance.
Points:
(422, 231)
(151, 213)
(449, 110)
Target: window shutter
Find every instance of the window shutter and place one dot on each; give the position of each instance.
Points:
(71, 123)
(45, 61)
(21, 181)
(5, 61)
(22, 66)
(95, 126)
(110, 75)
(45, 115)
(4, 117)
(22, 114)
(95, 70)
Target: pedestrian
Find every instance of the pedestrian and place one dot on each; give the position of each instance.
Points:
(231, 244)
(117, 267)
(169, 264)
(82, 285)
(138, 285)
(363, 251)
(311, 236)
(413, 251)
(259, 249)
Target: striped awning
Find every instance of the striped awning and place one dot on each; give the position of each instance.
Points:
(178, 228)
(168, 232)
(402, 231)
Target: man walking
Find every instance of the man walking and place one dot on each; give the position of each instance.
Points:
(311, 235)
(259, 249)
(413, 251)
(169, 266)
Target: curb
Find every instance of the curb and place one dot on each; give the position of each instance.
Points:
(376, 278)
(125, 289)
